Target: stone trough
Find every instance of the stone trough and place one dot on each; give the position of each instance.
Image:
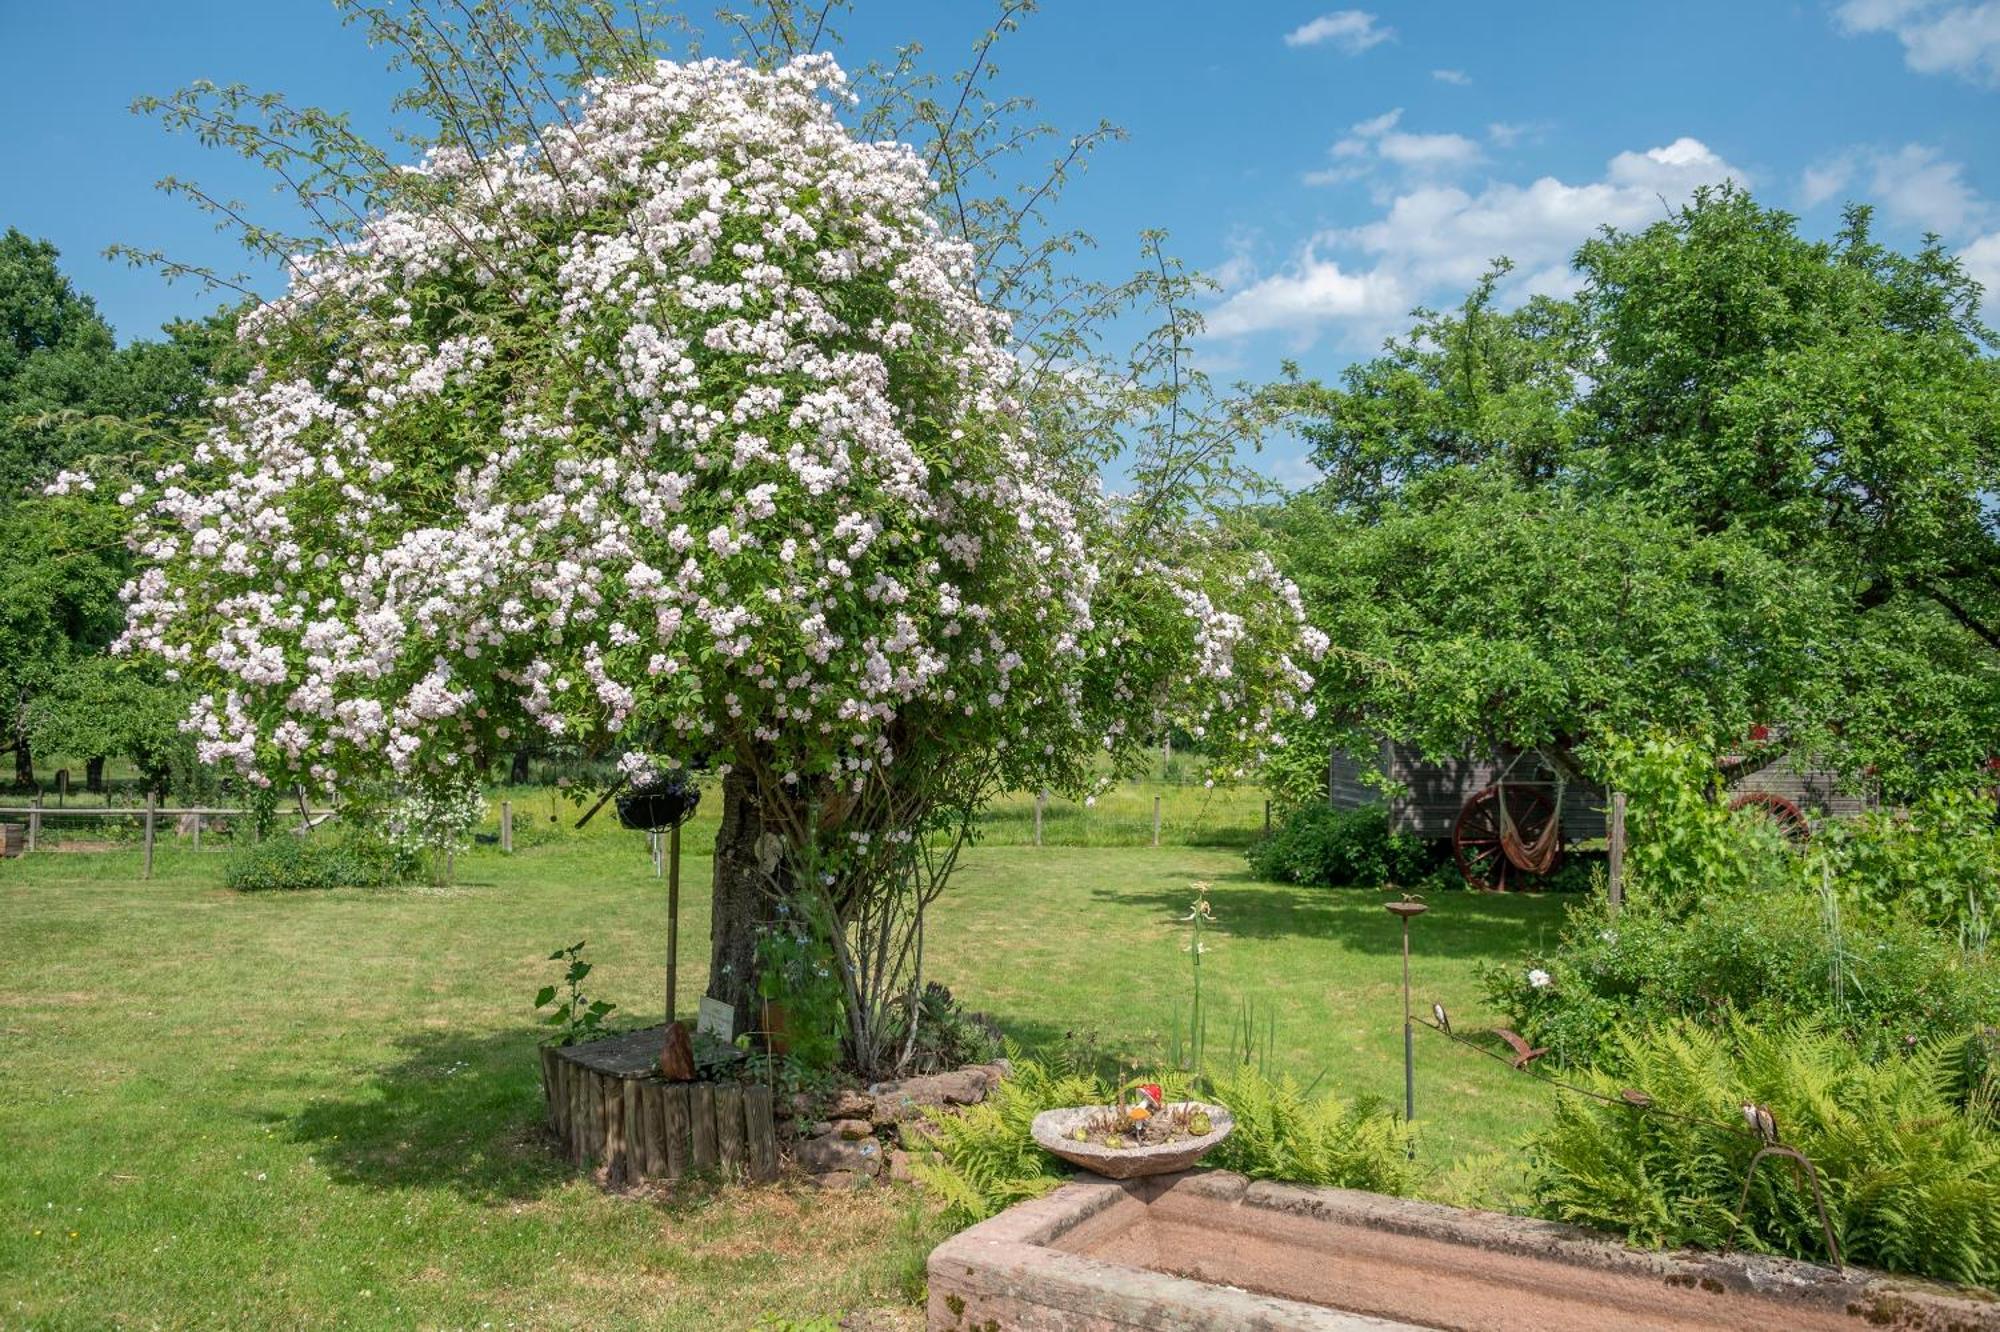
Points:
(1208, 1250)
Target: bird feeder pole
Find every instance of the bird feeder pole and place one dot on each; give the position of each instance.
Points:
(1405, 910)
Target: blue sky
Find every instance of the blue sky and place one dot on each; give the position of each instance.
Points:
(1332, 166)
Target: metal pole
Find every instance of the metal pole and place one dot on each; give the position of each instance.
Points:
(152, 803)
(673, 919)
(1409, 1036)
(1156, 820)
(1615, 874)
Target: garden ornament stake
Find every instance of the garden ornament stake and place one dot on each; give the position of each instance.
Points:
(1410, 906)
(664, 803)
(1765, 1125)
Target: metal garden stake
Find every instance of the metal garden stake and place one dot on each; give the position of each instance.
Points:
(1404, 910)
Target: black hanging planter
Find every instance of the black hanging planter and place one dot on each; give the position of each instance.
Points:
(666, 803)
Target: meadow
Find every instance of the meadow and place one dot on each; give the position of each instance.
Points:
(317, 1109)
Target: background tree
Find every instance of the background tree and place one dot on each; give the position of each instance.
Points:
(1741, 478)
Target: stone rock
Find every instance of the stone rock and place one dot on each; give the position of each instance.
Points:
(831, 1153)
(899, 1167)
(853, 1129)
(820, 1128)
(851, 1103)
(898, 1101)
(842, 1179)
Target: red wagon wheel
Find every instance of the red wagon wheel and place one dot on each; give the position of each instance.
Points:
(1475, 838)
(1791, 820)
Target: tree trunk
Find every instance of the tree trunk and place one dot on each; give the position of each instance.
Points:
(93, 774)
(745, 897)
(517, 775)
(24, 763)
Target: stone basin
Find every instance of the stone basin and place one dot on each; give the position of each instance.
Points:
(1052, 1129)
(1208, 1250)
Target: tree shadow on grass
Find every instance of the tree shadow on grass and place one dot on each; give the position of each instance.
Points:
(1458, 924)
(454, 1110)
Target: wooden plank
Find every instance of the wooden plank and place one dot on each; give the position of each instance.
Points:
(1615, 871)
(593, 1121)
(635, 1129)
(652, 1136)
(562, 1096)
(729, 1128)
(614, 1131)
(676, 1119)
(706, 1154)
(549, 1083)
(760, 1131)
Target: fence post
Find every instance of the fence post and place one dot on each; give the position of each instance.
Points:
(1615, 853)
(152, 805)
(34, 821)
(1041, 798)
(1156, 820)
(507, 826)
(197, 830)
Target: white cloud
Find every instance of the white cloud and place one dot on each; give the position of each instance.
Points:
(1379, 138)
(1506, 134)
(1982, 261)
(1458, 78)
(1938, 36)
(1913, 185)
(1352, 30)
(1917, 186)
(1435, 240)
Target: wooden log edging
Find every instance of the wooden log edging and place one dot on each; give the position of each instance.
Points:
(636, 1128)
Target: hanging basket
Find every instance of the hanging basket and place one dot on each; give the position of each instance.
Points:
(660, 807)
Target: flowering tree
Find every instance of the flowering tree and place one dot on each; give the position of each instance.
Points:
(679, 426)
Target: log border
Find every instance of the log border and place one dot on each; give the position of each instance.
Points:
(645, 1128)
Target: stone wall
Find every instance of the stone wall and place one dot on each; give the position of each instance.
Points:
(853, 1138)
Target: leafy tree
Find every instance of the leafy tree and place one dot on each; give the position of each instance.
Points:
(676, 422)
(1740, 479)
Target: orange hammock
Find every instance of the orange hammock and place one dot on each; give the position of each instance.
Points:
(1538, 856)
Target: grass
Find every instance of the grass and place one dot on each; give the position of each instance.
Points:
(319, 1109)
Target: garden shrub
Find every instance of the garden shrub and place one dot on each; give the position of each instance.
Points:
(987, 1159)
(1938, 859)
(1349, 848)
(1912, 1179)
(1882, 980)
(286, 862)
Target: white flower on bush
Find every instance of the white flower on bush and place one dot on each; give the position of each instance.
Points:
(1540, 979)
(436, 817)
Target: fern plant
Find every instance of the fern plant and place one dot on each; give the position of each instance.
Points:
(1285, 1133)
(1912, 1177)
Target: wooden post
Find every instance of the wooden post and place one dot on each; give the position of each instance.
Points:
(636, 1135)
(197, 830)
(1041, 798)
(1615, 848)
(152, 806)
(1156, 820)
(614, 1134)
(759, 1129)
(1267, 820)
(707, 1153)
(34, 821)
(652, 1162)
(729, 1129)
(677, 1115)
(507, 826)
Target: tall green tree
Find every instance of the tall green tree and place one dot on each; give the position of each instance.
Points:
(1743, 478)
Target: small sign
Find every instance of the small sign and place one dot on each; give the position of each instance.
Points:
(716, 1018)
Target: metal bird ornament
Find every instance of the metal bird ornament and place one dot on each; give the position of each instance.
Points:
(1762, 1123)
(1443, 1018)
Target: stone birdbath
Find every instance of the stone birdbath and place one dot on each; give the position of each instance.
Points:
(1145, 1136)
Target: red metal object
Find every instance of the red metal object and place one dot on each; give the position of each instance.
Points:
(1475, 838)
(1791, 820)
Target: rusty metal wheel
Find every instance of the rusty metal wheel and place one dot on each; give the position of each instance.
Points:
(1791, 820)
(1475, 838)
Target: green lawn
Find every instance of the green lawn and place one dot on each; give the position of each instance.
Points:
(319, 1109)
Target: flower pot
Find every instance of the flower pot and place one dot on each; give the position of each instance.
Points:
(658, 808)
(776, 1037)
(1052, 1129)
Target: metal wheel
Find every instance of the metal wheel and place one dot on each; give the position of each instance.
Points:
(1475, 838)
(1791, 820)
